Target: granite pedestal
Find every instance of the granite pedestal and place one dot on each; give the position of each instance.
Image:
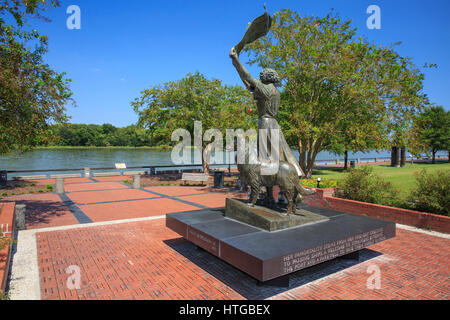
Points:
(272, 256)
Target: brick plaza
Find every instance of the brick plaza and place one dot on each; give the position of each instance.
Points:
(117, 237)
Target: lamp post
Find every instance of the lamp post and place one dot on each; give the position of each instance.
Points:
(318, 182)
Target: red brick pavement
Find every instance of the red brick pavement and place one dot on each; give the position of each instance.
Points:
(215, 200)
(134, 209)
(44, 210)
(108, 195)
(145, 260)
(111, 200)
(179, 190)
(93, 186)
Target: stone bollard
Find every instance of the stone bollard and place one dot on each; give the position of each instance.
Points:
(60, 185)
(136, 181)
(20, 217)
(87, 172)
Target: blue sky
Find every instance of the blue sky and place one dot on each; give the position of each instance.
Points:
(124, 47)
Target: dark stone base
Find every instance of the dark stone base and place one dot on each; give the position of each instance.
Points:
(268, 255)
(268, 219)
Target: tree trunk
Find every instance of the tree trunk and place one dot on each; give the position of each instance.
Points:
(403, 157)
(206, 159)
(345, 160)
(302, 157)
(394, 157)
(433, 160)
(311, 165)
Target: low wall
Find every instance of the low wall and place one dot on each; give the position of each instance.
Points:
(7, 219)
(324, 198)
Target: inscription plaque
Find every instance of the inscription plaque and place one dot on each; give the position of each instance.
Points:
(203, 240)
(310, 257)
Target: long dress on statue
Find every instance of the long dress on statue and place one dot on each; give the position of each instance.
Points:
(268, 101)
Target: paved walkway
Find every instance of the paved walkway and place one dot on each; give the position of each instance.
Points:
(108, 198)
(117, 238)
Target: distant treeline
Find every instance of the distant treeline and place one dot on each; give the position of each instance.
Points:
(92, 135)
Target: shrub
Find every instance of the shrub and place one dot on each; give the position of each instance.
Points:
(49, 187)
(325, 183)
(33, 184)
(3, 296)
(4, 194)
(4, 241)
(362, 184)
(432, 192)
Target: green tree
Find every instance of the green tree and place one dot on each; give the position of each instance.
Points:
(335, 83)
(431, 131)
(32, 95)
(178, 104)
(99, 135)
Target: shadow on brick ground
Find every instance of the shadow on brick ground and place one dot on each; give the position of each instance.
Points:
(39, 212)
(246, 285)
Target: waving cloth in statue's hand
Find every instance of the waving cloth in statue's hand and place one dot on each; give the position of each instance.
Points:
(257, 29)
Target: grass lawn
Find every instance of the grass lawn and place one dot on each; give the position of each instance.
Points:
(402, 179)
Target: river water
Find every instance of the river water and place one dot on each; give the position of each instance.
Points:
(41, 159)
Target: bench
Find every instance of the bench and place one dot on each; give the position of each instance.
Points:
(197, 177)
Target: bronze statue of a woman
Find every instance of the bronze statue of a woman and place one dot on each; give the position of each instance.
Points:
(268, 101)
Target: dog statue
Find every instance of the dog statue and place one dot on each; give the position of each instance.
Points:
(286, 178)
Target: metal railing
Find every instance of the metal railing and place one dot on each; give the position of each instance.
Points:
(153, 170)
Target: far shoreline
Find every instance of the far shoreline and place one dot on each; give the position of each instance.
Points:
(157, 148)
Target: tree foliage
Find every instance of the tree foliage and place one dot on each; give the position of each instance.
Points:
(339, 89)
(32, 95)
(431, 131)
(178, 104)
(92, 135)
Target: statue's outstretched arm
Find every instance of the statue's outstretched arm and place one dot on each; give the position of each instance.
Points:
(246, 77)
